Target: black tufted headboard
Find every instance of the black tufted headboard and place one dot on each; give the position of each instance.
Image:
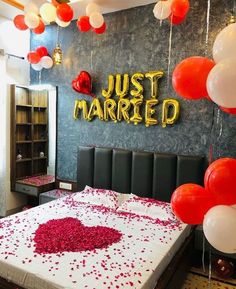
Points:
(147, 174)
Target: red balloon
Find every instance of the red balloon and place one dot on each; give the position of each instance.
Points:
(190, 76)
(42, 51)
(180, 7)
(228, 110)
(83, 83)
(190, 202)
(83, 24)
(33, 57)
(220, 181)
(40, 29)
(101, 29)
(65, 12)
(19, 22)
(176, 20)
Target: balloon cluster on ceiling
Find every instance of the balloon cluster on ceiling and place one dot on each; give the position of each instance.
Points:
(198, 77)
(212, 205)
(175, 10)
(93, 19)
(62, 14)
(40, 59)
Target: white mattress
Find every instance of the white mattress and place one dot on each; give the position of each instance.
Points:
(137, 261)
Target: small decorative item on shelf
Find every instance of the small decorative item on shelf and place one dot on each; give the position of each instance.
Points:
(41, 154)
(19, 155)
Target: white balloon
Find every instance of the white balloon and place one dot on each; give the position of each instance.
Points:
(96, 20)
(46, 62)
(62, 23)
(31, 7)
(219, 227)
(162, 9)
(31, 20)
(37, 67)
(91, 8)
(225, 43)
(48, 12)
(221, 83)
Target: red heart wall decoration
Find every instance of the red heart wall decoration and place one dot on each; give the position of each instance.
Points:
(83, 83)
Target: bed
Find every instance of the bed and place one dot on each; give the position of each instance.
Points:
(142, 255)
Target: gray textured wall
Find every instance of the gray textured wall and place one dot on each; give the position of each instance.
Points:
(135, 42)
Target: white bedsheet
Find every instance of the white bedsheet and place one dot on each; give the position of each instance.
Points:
(136, 261)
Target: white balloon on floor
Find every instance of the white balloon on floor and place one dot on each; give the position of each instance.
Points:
(219, 227)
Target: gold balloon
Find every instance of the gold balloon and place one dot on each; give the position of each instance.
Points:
(149, 111)
(109, 110)
(123, 110)
(154, 76)
(170, 111)
(136, 102)
(80, 105)
(95, 110)
(139, 87)
(122, 92)
(111, 85)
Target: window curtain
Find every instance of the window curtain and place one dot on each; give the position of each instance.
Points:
(4, 171)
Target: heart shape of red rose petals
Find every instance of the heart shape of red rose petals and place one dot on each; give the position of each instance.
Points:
(83, 83)
(70, 235)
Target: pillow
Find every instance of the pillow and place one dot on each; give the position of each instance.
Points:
(147, 207)
(100, 197)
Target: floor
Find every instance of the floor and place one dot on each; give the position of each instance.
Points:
(197, 279)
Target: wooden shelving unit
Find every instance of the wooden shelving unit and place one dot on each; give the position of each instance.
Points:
(29, 133)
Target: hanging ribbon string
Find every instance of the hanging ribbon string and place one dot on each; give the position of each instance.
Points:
(207, 26)
(169, 55)
(210, 273)
(203, 252)
(212, 129)
(40, 77)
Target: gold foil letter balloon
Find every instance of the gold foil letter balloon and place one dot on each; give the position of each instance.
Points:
(149, 111)
(122, 90)
(139, 87)
(95, 110)
(111, 85)
(109, 110)
(154, 76)
(170, 111)
(80, 105)
(123, 110)
(136, 102)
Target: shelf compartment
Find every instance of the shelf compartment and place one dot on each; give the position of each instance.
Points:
(39, 147)
(23, 133)
(40, 116)
(23, 115)
(40, 133)
(23, 169)
(22, 96)
(40, 166)
(25, 149)
(39, 98)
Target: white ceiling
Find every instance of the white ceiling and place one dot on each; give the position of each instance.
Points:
(107, 6)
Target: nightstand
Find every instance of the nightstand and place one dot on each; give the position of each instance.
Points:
(53, 195)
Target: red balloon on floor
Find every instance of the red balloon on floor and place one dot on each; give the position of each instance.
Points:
(190, 202)
(220, 180)
(175, 19)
